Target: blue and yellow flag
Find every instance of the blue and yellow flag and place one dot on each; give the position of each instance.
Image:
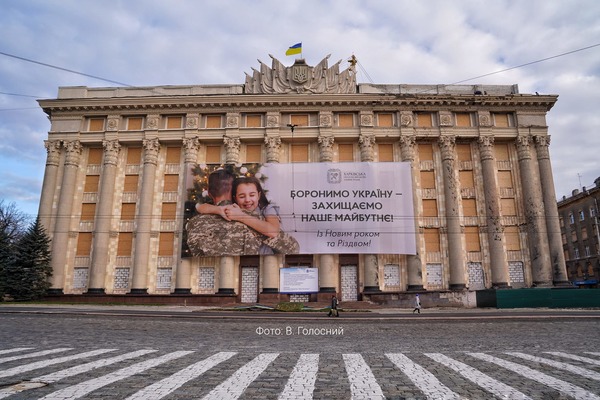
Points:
(295, 49)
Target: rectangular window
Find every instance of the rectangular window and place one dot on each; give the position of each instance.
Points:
(505, 179)
(430, 208)
(253, 153)
(463, 119)
(427, 179)
(346, 152)
(385, 152)
(501, 152)
(502, 120)
(173, 155)
(134, 155)
(584, 234)
(432, 239)
(253, 121)
(171, 183)
(424, 119)
(472, 238)
(576, 251)
(299, 119)
(213, 154)
(466, 179)
(88, 211)
(299, 153)
(425, 152)
(508, 207)
(592, 212)
(168, 212)
(96, 124)
(84, 244)
(573, 236)
(385, 120)
(581, 215)
(345, 120)
(131, 183)
(125, 244)
(95, 156)
(587, 251)
(213, 121)
(134, 123)
(571, 218)
(511, 234)
(127, 211)
(463, 152)
(165, 243)
(469, 207)
(91, 184)
(174, 122)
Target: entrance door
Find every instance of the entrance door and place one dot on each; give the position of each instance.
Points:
(249, 284)
(349, 283)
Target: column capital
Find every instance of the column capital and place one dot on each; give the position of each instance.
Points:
(407, 147)
(447, 145)
(273, 144)
(367, 150)
(541, 144)
(74, 149)
(232, 147)
(111, 151)
(53, 150)
(191, 146)
(523, 142)
(326, 147)
(486, 147)
(151, 148)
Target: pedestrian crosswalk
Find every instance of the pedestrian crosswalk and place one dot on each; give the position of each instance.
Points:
(72, 373)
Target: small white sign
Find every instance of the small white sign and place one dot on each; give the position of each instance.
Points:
(299, 280)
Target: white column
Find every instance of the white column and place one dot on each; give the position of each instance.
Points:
(49, 185)
(327, 269)
(270, 281)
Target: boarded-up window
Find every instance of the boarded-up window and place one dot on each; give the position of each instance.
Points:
(466, 179)
(432, 239)
(463, 152)
(165, 243)
(299, 119)
(213, 154)
(88, 211)
(84, 244)
(299, 153)
(134, 123)
(427, 179)
(174, 122)
(253, 121)
(511, 234)
(96, 124)
(131, 183)
(472, 238)
(134, 155)
(253, 153)
(385, 120)
(501, 151)
(345, 120)
(424, 120)
(386, 152)
(95, 156)
(508, 207)
(171, 183)
(127, 211)
(346, 152)
(173, 155)
(425, 152)
(463, 119)
(469, 207)
(213, 121)
(169, 211)
(430, 208)
(505, 179)
(125, 244)
(501, 120)
(91, 184)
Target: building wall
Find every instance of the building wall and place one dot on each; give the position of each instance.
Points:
(114, 188)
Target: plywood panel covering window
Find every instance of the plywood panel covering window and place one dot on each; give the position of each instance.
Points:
(386, 152)
(501, 120)
(432, 239)
(95, 156)
(253, 153)
(299, 119)
(345, 120)
(424, 120)
(96, 124)
(127, 211)
(171, 183)
(134, 123)
(501, 151)
(463, 119)
(88, 211)
(505, 179)
(84, 244)
(466, 179)
(253, 121)
(299, 153)
(169, 211)
(430, 208)
(125, 244)
(213, 154)
(173, 155)
(134, 155)
(428, 179)
(472, 238)
(174, 122)
(469, 207)
(131, 183)
(508, 207)
(213, 121)
(511, 234)
(346, 152)
(463, 152)
(91, 184)
(425, 152)
(385, 120)
(165, 243)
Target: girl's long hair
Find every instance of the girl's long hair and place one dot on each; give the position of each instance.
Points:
(262, 201)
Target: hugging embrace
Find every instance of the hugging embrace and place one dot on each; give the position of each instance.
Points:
(241, 221)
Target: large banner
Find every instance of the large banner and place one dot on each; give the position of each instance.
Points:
(315, 208)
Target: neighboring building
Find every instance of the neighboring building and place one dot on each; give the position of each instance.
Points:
(581, 235)
(114, 189)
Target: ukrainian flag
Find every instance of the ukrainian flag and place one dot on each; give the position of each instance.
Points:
(295, 49)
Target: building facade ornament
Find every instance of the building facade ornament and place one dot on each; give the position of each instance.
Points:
(53, 150)
(523, 144)
(232, 147)
(272, 121)
(113, 123)
(541, 144)
(111, 151)
(152, 122)
(406, 119)
(486, 147)
(232, 121)
(484, 118)
(273, 144)
(447, 145)
(73, 149)
(151, 148)
(366, 119)
(301, 78)
(408, 147)
(191, 122)
(326, 148)
(191, 146)
(445, 119)
(325, 120)
(367, 147)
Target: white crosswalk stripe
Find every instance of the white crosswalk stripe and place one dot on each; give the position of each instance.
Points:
(362, 382)
(15, 350)
(559, 365)
(564, 387)
(574, 357)
(33, 355)
(486, 382)
(301, 383)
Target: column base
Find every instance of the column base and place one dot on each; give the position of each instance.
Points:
(226, 291)
(138, 291)
(501, 285)
(542, 284)
(458, 286)
(563, 284)
(270, 291)
(415, 288)
(182, 291)
(55, 292)
(371, 289)
(327, 290)
(95, 291)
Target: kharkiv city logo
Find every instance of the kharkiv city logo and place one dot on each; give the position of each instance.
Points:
(334, 176)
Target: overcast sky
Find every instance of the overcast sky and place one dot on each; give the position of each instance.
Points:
(183, 42)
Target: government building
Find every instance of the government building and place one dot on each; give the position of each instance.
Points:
(115, 197)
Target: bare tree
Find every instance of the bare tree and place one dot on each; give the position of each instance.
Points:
(13, 222)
